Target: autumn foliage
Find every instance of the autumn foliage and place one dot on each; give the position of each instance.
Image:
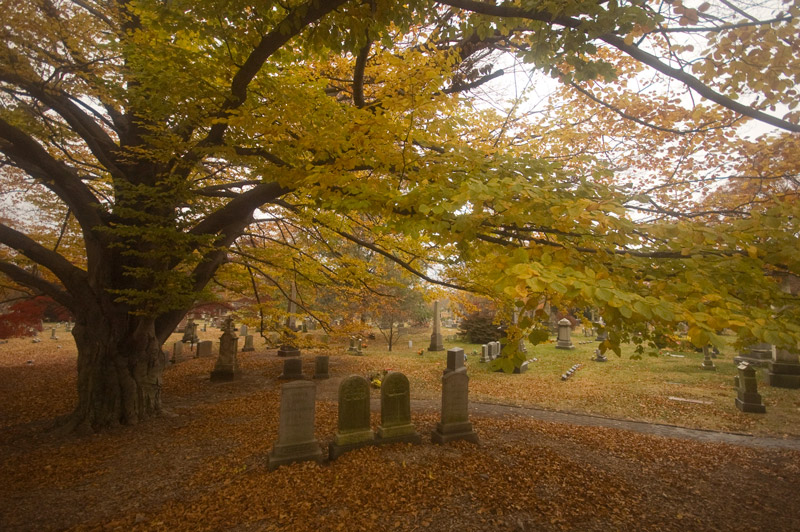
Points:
(24, 318)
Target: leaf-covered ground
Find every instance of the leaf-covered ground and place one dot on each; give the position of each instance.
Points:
(203, 465)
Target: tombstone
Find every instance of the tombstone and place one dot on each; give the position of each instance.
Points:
(708, 364)
(248, 343)
(292, 369)
(602, 333)
(354, 426)
(53, 334)
(564, 331)
(485, 356)
(410, 344)
(396, 423)
(68, 327)
(436, 336)
(287, 348)
(455, 424)
(455, 359)
(227, 366)
(757, 355)
(190, 333)
(353, 348)
(205, 326)
(748, 399)
(296, 442)
(204, 348)
(321, 367)
(521, 347)
(783, 371)
(243, 332)
(599, 357)
(177, 351)
(522, 368)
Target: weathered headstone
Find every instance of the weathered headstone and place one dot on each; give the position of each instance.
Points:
(296, 442)
(204, 348)
(564, 331)
(748, 399)
(292, 369)
(410, 344)
(177, 351)
(248, 343)
(708, 364)
(353, 347)
(205, 326)
(784, 369)
(436, 336)
(321, 367)
(53, 334)
(599, 356)
(190, 333)
(602, 332)
(455, 359)
(455, 424)
(485, 356)
(396, 423)
(242, 331)
(354, 429)
(227, 365)
(68, 327)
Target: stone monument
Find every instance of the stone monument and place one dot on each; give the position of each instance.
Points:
(227, 366)
(783, 371)
(204, 348)
(748, 399)
(296, 442)
(455, 359)
(396, 423)
(708, 364)
(455, 424)
(190, 333)
(248, 343)
(292, 369)
(354, 430)
(321, 367)
(436, 336)
(564, 332)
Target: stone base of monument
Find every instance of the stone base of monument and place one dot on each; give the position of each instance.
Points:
(782, 380)
(454, 431)
(292, 369)
(288, 351)
(757, 362)
(564, 345)
(599, 357)
(298, 452)
(224, 375)
(343, 443)
(751, 405)
(398, 434)
(708, 365)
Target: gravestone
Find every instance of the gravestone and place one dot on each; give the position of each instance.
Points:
(204, 348)
(436, 336)
(602, 332)
(190, 333)
(455, 424)
(564, 331)
(410, 344)
(243, 332)
(248, 343)
(757, 355)
(354, 430)
(53, 334)
(177, 351)
(455, 359)
(68, 327)
(708, 364)
(354, 349)
(784, 369)
(321, 367)
(205, 326)
(485, 357)
(748, 399)
(227, 365)
(521, 347)
(599, 356)
(296, 442)
(292, 369)
(396, 423)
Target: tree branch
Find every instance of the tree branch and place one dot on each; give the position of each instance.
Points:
(38, 284)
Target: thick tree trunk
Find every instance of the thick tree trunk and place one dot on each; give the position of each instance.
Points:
(120, 366)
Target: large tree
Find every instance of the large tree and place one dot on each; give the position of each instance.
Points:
(153, 132)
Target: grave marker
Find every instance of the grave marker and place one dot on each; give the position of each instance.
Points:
(353, 429)
(748, 399)
(564, 331)
(248, 343)
(296, 442)
(292, 369)
(227, 365)
(321, 367)
(204, 348)
(455, 424)
(396, 423)
(436, 335)
(784, 369)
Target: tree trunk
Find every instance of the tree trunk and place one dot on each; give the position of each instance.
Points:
(120, 366)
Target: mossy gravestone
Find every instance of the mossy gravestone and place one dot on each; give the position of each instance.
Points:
(296, 442)
(354, 430)
(204, 348)
(227, 365)
(396, 411)
(248, 343)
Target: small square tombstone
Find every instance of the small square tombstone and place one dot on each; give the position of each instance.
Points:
(455, 424)
(410, 344)
(296, 442)
(227, 365)
(204, 348)
(248, 343)
(396, 423)
(205, 326)
(243, 331)
(564, 331)
(53, 334)
(292, 369)
(455, 359)
(485, 356)
(354, 430)
(708, 364)
(354, 349)
(748, 399)
(321, 367)
(68, 328)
